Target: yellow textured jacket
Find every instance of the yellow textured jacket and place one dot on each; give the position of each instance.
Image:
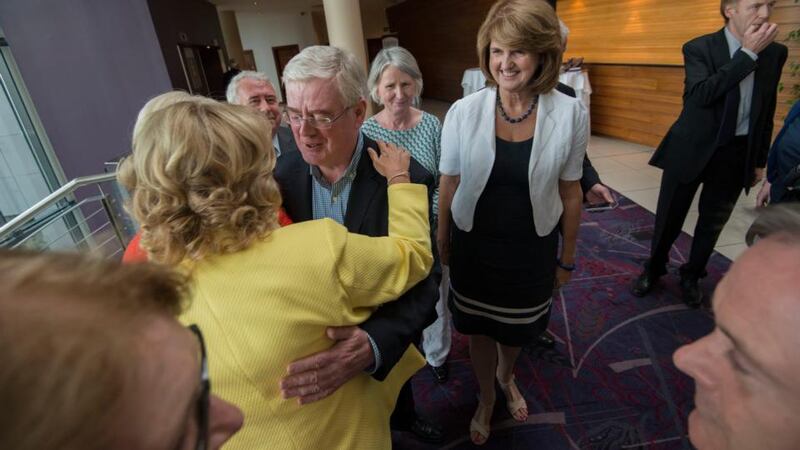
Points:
(268, 305)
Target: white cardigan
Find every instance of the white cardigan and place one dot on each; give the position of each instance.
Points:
(559, 145)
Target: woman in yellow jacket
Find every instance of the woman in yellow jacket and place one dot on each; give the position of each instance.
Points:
(200, 177)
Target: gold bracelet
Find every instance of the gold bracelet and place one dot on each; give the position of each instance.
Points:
(389, 180)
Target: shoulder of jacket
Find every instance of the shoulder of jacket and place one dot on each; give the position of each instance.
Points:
(703, 40)
(472, 99)
(778, 48)
(289, 161)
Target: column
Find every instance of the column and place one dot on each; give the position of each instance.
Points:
(343, 19)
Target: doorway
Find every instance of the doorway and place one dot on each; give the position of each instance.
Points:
(282, 55)
(203, 67)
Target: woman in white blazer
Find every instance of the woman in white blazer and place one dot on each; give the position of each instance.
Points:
(511, 162)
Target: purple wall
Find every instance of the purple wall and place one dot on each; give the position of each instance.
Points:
(89, 66)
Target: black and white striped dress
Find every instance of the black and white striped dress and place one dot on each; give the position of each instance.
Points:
(502, 273)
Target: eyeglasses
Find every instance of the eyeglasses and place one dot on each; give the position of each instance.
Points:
(205, 386)
(319, 121)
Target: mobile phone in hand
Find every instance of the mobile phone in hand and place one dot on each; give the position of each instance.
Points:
(599, 207)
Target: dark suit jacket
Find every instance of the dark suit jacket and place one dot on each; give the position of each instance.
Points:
(286, 140)
(710, 74)
(396, 324)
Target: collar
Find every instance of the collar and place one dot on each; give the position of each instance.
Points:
(349, 174)
(276, 144)
(733, 43)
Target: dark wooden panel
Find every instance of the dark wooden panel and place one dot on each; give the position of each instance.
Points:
(441, 34)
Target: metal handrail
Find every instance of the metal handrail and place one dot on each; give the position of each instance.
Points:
(51, 199)
(71, 209)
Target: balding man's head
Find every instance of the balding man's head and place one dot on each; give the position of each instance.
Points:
(746, 370)
(93, 358)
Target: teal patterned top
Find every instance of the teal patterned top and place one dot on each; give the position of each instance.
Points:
(422, 141)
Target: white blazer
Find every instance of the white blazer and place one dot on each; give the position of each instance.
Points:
(559, 145)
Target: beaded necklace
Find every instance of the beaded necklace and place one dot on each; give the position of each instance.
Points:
(519, 119)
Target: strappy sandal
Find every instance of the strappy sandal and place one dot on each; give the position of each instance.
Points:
(516, 407)
(482, 429)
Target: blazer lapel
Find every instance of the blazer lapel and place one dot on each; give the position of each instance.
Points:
(759, 80)
(298, 199)
(719, 49)
(365, 185)
(543, 131)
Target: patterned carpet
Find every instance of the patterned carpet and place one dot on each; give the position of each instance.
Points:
(610, 382)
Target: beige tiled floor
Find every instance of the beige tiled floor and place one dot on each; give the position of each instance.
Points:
(623, 167)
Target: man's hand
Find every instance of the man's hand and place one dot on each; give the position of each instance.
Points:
(599, 194)
(758, 37)
(318, 376)
(762, 199)
(758, 175)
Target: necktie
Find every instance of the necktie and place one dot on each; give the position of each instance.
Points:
(730, 115)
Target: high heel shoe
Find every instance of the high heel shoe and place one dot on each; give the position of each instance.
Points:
(517, 408)
(481, 429)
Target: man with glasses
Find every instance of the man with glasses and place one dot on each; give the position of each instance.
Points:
(255, 90)
(332, 176)
(93, 358)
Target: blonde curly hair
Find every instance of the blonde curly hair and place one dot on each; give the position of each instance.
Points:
(200, 178)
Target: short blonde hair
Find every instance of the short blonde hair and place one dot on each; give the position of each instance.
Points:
(70, 345)
(200, 178)
(530, 25)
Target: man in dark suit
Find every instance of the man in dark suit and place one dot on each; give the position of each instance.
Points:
(254, 89)
(332, 176)
(721, 138)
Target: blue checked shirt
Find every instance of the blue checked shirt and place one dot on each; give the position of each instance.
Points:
(329, 200)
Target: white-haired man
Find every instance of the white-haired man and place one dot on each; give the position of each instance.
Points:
(255, 89)
(746, 369)
(331, 176)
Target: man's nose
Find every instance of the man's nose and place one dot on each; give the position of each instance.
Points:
(263, 106)
(694, 359)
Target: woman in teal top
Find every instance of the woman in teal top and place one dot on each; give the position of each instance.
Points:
(395, 82)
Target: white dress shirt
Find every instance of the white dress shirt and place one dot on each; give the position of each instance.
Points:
(745, 87)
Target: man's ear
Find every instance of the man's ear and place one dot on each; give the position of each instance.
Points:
(728, 9)
(360, 109)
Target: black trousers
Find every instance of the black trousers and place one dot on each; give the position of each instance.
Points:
(404, 412)
(722, 181)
